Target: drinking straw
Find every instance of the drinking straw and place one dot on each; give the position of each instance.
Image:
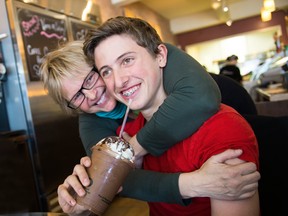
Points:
(125, 118)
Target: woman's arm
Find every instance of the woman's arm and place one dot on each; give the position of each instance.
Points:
(193, 97)
(93, 128)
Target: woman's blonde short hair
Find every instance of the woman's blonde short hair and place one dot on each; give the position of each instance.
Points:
(67, 61)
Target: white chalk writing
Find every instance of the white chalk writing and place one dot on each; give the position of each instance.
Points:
(33, 51)
(56, 26)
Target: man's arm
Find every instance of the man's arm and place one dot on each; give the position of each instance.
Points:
(245, 207)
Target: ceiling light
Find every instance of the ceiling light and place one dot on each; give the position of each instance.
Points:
(265, 15)
(87, 10)
(225, 9)
(215, 4)
(269, 5)
(229, 22)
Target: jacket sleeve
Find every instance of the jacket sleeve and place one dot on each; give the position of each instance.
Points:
(153, 186)
(93, 128)
(193, 97)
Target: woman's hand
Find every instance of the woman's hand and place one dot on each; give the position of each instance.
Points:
(223, 176)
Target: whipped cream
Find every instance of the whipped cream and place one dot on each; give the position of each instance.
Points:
(119, 146)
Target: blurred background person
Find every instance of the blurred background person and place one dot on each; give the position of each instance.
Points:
(231, 69)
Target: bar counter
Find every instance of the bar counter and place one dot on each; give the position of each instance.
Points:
(273, 94)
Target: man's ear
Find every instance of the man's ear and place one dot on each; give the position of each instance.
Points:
(162, 55)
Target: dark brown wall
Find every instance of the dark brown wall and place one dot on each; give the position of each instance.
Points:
(245, 25)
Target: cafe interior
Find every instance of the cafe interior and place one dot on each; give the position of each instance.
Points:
(40, 144)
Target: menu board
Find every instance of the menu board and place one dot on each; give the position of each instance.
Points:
(80, 29)
(41, 33)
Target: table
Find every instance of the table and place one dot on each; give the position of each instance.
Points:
(273, 94)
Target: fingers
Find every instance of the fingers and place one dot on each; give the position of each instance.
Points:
(246, 192)
(246, 168)
(138, 162)
(247, 195)
(65, 199)
(250, 189)
(85, 161)
(79, 174)
(73, 182)
(120, 189)
(138, 149)
(226, 155)
(251, 178)
(234, 161)
(126, 136)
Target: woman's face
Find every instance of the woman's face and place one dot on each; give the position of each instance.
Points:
(96, 99)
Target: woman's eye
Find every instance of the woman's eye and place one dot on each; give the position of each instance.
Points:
(77, 96)
(90, 80)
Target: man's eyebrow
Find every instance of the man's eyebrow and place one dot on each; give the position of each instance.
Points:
(118, 58)
(123, 55)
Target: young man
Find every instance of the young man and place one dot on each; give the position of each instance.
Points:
(130, 58)
(65, 70)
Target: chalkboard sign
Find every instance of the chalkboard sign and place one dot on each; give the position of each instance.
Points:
(41, 33)
(80, 29)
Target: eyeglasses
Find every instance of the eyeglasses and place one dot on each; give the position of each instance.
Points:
(88, 83)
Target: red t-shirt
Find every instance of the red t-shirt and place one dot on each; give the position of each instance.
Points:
(225, 130)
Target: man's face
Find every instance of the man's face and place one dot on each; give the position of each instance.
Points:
(96, 99)
(130, 71)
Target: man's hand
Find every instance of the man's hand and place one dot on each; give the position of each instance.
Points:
(74, 185)
(138, 149)
(223, 176)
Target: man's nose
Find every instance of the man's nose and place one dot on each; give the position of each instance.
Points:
(120, 79)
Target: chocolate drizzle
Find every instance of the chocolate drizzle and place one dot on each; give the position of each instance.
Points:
(119, 146)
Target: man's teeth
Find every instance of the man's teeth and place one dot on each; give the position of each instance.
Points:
(130, 91)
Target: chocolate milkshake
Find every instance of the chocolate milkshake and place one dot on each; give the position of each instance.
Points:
(112, 160)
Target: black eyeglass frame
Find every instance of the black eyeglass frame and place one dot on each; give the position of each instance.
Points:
(69, 103)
